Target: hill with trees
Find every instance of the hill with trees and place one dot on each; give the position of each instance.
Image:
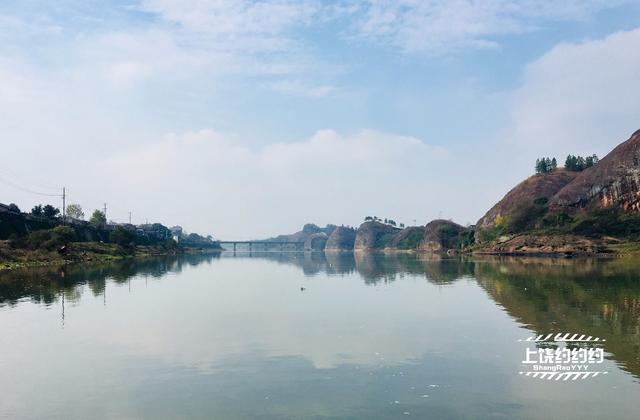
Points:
(591, 205)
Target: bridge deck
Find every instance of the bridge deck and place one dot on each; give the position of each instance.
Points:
(263, 242)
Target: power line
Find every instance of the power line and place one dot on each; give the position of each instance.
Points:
(27, 190)
(39, 184)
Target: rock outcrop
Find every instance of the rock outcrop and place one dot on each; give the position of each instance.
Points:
(316, 242)
(613, 182)
(303, 235)
(407, 238)
(442, 236)
(374, 236)
(341, 239)
(541, 186)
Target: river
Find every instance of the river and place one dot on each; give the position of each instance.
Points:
(316, 336)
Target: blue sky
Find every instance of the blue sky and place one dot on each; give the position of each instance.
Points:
(248, 118)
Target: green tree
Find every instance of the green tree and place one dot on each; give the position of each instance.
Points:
(52, 238)
(123, 238)
(589, 161)
(14, 208)
(37, 210)
(75, 211)
(98, 219)
(554, 164)
(50, 212)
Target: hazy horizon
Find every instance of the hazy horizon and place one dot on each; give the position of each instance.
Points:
(247, 119)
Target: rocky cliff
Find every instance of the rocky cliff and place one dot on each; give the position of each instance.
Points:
(613, 182)
(596, 210)
(407, 238)
(341, 239)
(441, 236)
(374, 236)
(541, 186)
(303, 235)
(316, 242)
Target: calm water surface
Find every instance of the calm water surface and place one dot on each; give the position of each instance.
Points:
(313, 336)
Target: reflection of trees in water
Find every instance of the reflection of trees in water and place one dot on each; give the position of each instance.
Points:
(597, 298)
(376, 268)
(45, 285)
(594, 297)
(587, 296)
(311, 263)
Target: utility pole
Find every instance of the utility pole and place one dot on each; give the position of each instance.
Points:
(64, 205)
(129, 217)
(105, 213)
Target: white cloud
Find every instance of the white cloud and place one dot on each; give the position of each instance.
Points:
(237, 24)
(233, 17)
(329, 177)
(582, 97)
(441, 27)
(299, 88)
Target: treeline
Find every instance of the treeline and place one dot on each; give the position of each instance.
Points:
(579, 163)
(45, 228)
(386, 221)
(544, 165)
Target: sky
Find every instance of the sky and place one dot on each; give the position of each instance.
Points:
(245, 119)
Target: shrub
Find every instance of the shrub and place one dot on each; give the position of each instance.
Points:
(412, 240)
(52, 238)
(122, 237)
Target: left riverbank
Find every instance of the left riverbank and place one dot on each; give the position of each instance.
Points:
(84, 252)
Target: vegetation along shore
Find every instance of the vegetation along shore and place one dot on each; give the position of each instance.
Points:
(43, 237)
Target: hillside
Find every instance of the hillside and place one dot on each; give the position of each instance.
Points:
(374, 236)
(613, 182)
(442, 236)
(593, 211)
(524, 194)
(341, 239)
(303, 235)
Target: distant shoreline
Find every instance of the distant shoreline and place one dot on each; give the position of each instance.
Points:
(82, 253)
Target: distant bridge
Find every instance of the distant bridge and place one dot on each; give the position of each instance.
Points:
(265, 245)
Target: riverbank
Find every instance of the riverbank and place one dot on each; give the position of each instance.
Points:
(558, 245)
(81, 252)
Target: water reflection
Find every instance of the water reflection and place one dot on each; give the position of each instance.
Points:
(45, 285)
(362, 322)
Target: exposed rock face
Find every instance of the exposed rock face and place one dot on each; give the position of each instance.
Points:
(316, 242)
(374, 235)
(614, 181)
(523, 194)
(303, 235)
(341, 239)
(407, 238)
(442, 236)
